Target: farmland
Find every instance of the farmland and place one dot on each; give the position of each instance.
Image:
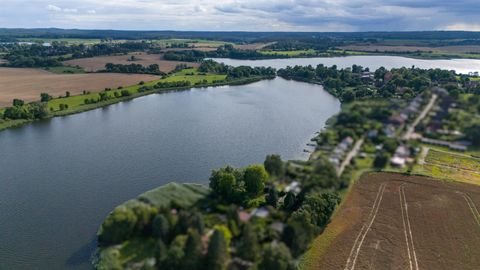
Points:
(393, 221)
(27, 84)
(472, 52)
(450, 166)
(98, 63)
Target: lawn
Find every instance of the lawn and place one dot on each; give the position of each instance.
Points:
(184, 195)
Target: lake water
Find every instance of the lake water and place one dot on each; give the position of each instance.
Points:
(60, 178)
(373, 62)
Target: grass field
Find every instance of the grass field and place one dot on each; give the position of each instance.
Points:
(65, 70)
(450, 166)
(290, 53)
(74, 102)
(94, 64)
(393, 221)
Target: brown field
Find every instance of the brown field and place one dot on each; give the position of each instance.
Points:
(98, 63)
(392, 221)
(27, 84)
(384, 48)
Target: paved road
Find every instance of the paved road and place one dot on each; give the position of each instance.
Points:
(423, 114)
(353, 153)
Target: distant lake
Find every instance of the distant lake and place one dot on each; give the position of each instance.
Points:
(372, 62)
(60, 178)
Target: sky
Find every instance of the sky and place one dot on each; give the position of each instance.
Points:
(245, 15)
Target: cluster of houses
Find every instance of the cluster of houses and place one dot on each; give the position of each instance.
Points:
(340, 151)
(412, 109)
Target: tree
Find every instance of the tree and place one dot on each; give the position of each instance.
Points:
(217, 257)
(193, 252)
(299, 231)
(39, 110)
(348, 96)
(197, 223)
(248, 247)
(44, 97)
(223, 183)
(277, 257)
(274, 165)
(381, 160)
(118, 226)
(272, 197)
(18, 102)
(289, 201)
(67, 94)
(161, 227)
(473, 134)
(255, 178)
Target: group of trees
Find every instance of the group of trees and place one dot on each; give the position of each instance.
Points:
(212, 234)
(133, 68)
(210, 66)
(31, 111)
(232, 185)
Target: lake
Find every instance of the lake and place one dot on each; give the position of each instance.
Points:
(61, 177)
(372, 62)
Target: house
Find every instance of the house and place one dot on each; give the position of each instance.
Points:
(401, 155)
(398, 161)
(260, 212)
(294, 187)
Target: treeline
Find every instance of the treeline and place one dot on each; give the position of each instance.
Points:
(133, 68)
(249, 221)
(38, 55)
(210, 66)
(226, 51)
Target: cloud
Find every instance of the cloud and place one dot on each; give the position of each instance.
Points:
(53, 8)
(250, 15)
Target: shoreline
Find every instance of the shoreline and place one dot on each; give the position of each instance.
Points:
(88, 107)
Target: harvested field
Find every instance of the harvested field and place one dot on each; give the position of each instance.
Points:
(385, 48)
(98, 63)
(393, 221)
(27, 84)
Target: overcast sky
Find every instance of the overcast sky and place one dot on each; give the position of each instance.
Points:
(249, 15)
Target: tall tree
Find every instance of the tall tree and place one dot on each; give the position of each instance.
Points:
(255, 178)
(217, 257)
(274, 165)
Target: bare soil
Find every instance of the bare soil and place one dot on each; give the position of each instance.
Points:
(416, 223)
(95, 64)
(27, 84)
